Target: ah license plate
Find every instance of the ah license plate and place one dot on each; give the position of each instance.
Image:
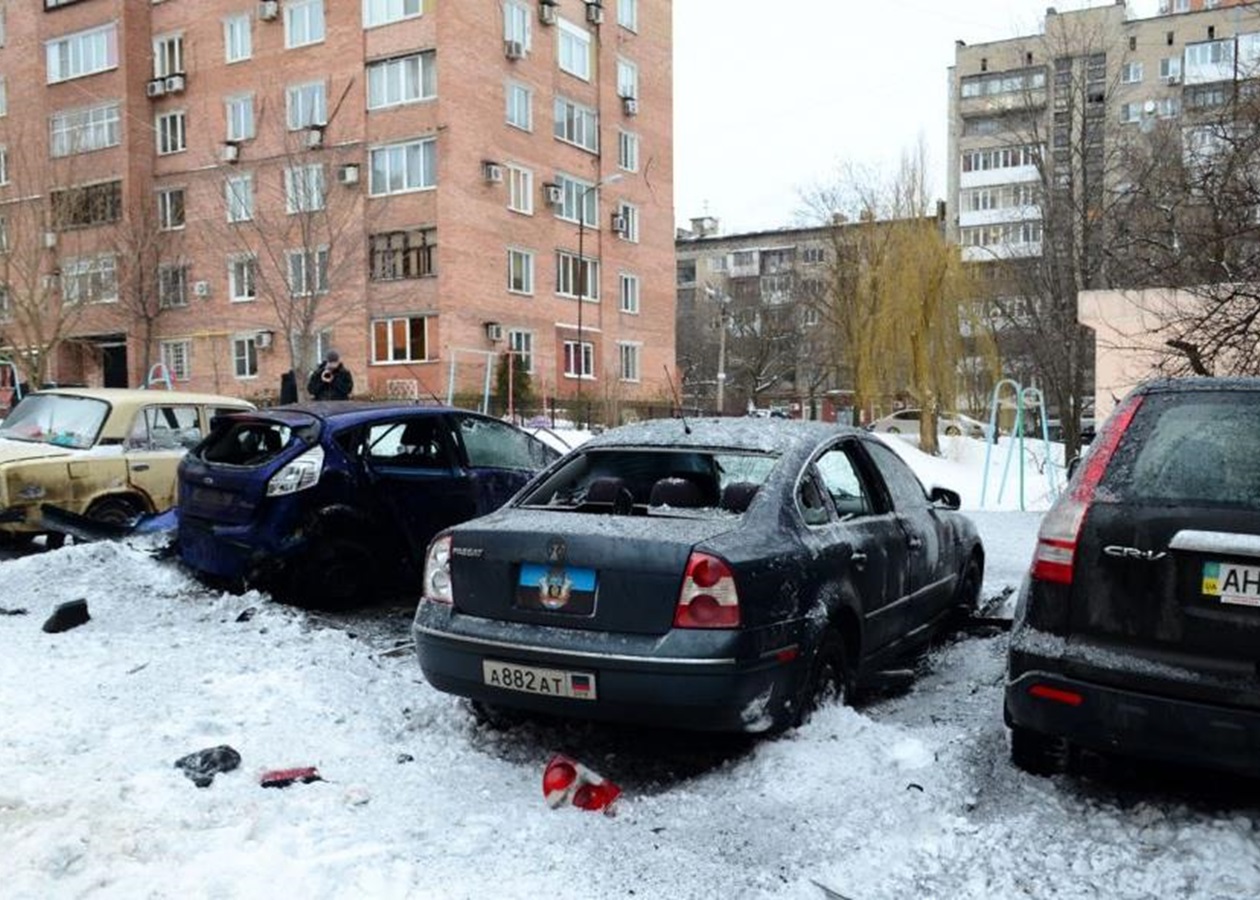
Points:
(533, 680)
(1229, 583)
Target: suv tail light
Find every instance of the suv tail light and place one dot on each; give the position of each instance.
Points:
(708, 598)
(437, 572)
(1056, 542)
(298, 475)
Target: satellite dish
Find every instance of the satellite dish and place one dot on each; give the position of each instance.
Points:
(1149, 107)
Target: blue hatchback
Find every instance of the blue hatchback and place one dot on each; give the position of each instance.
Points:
(327, 504)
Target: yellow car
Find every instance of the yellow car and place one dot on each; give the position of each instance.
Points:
(106, 453)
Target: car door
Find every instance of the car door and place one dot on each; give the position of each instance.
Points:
(499, 458)
(160, 435)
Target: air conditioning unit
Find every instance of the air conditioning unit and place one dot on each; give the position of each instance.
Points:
(268, 10)
(175, 84)
(231, 152)
(492, 172)
(620, 224)
(314, 137)
(263, 339)
(201, 289)
(1173, 79)
(595, 13)
(630, 106)
(513, 49)
(494, 331)
(547, 12)
(554, 193)
(50, 239)
(155, 88)
(348, 174)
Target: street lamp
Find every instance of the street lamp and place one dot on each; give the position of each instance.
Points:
(721, 299)
(582, 270)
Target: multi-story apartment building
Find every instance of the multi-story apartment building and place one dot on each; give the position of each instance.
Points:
(233, 187)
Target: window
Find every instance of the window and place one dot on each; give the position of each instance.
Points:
(1169, 107)
(4, 235)
(84, 53)
(629, 291)
(170, 203)
(630, 220)
(303, 22)
(168, 55)
(242, 277)
(1170, 68)
(304, 189)
(84, 130)
(177, 358)
(1130, 113)
(4, 94)
(579, 359)
(521, 343)
(578, 196)
(577, 124)
(574, 52)
(171, 133)
(6, 304)
(1131, 73)
(1000, 158)
(81, 207)
(238, 44)
(172, 286)
(814, 255)
(399, 168)
(629, 354)
(403, 339)
(843, 482)
(405, 79)
(574, 273)
(306, 105)
(399, 255)
(686, 270)
(308, 272)
(520, 190)
(627, 78)
(245, 357)
(520, 106)
(520, 272)
(516, 22)
(628, 14)
(904, 486)
(4, 169)
(239, 112)
(240, 198)
(382, 12)
(1002, 83)
(628, 151)
(89, 279)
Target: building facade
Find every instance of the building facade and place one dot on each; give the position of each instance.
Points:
(231, 189)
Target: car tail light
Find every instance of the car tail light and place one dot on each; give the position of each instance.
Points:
(1055, 555)
(298, 475)
(437, 572)
(1056, 695)
(708, 598)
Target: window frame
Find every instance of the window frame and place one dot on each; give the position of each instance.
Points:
(385, 16)
(520, 189)
(635, 354)
(167, 209)
(389, 325)
(527, 272)
(428, 160)
(232, 28)
(581, 353)
(383, 75)
(245, 356)
(629, 293)
(291, 10)
(242, 267)
(171, 125)
(570, 39)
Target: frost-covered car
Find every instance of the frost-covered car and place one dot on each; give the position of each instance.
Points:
(716, 575)
(326, 503)
(109, 454)
(906, 421)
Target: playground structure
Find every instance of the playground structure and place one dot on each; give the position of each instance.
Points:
(1024, 398)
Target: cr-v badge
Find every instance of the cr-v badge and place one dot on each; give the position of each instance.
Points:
(1134, 553)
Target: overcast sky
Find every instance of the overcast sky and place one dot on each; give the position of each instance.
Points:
(772, 96)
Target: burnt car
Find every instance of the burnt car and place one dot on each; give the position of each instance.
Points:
(1137, 631)
(719, 575)
(327, 504)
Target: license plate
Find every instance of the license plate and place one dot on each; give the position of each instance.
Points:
(534, 680)
(1239, 585)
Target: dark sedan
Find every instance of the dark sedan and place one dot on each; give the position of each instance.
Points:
(718, 575)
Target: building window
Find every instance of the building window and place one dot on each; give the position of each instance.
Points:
(81, 207)
(627, 78)
(403, 339)
(306, 105)
(1130, 113)
(520, 190)
(520, 106)
(168, 55)
(177, 358)
(171, 133)
(574, 273)
(242, 277)
(405, 79)
(579, 359)
(170, 203)
(579, 199)
(400, 168)
(999, 158)
(629, 291)
(1002, 83)
(382, 12)
(84, 130)
(238, 42)
(245, 357)
(516, 23)
(84, 53)
(629, 354)
(628, 151)
(4, 167)
(303, 22)
(89, 279)
(4, 95)
(577, 124)
(308, 272)
(239, 112)
(6, 305)
(574, 52)
(1131, 73)
(397, 255)
(629, 221)
(520, 272)
(240, 198)
(304, 189)
(628, 14)
(813, 255)
(1169, 107)
(1170, 68)
(521, 345)
(172, 286)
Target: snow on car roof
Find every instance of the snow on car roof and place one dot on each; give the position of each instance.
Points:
(755, 434)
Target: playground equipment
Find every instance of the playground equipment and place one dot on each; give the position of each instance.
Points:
(1025, 398)
(158, 372)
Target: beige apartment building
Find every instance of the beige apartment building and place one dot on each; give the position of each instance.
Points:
(231, 188)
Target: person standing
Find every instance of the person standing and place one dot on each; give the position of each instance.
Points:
(331, 380)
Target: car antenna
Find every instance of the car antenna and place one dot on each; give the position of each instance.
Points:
(424, 387)
(677, 400)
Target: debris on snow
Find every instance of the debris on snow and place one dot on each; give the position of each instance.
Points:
(567, 781)
(202, 766)
(278, 778)
(67, 616)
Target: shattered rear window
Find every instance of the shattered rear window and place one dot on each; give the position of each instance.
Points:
(248, 443)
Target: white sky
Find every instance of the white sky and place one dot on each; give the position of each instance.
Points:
(772, 96)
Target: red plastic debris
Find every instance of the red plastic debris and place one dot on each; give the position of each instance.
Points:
(567, 781)
(279, 778)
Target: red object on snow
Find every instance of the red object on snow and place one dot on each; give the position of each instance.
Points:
(285, 777)
(566, 780)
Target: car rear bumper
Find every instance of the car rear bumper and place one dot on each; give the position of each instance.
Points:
(694, 681)
(229, 552)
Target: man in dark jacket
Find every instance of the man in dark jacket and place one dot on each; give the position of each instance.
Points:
(330, 380)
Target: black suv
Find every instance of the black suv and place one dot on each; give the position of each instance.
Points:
(1138, 628)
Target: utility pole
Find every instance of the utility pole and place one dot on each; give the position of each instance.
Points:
(721, 300)
(582, 275)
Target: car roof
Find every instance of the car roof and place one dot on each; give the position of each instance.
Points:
(754, 434)
(349, 412)
(143, 397)
(1197, 383)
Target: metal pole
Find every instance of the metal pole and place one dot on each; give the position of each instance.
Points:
(450, 384)
(721, 373)
(485, 391)
(510, 410)
(579, 357)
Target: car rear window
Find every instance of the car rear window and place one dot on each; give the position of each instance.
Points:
(1196, 447)
(247, 443)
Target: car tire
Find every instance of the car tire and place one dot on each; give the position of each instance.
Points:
(953, 431)
(114, 510)
(1039, 754)
(335, 573)
(829, 678)
(967, 597)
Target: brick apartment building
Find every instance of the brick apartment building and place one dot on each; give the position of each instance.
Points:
(232, 187)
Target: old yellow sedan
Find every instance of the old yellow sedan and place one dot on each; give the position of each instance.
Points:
(106, 453)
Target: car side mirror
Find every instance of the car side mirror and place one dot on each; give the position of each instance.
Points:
(945, 498)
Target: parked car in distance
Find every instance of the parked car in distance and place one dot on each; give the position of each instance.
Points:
(720, 575)
(906, 421)
(106, 453)
(326, 503)
(1137, 631)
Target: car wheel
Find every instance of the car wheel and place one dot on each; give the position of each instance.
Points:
(830, 678)
(967, 598)
(114, 511)
(1039, 754)
(953, 431)
(335, 573)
